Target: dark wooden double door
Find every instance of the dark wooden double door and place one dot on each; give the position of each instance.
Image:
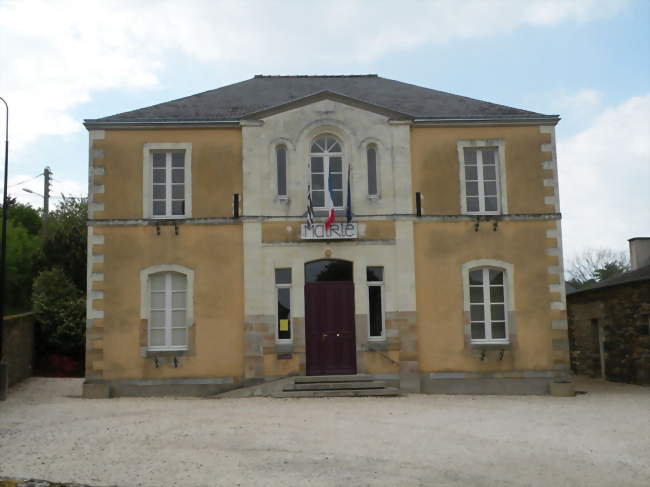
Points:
(329, 328)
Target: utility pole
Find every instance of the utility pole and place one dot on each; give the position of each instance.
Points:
(47, 173)
(4, 369)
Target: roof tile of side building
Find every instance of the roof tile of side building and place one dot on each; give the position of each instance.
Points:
(637, 275)
(234, 102)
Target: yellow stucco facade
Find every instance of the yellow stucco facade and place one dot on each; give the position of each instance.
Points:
(233, 339)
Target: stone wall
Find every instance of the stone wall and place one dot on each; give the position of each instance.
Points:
(622, 314)
(18, 346)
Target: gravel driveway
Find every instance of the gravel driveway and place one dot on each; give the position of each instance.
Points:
(601, 438)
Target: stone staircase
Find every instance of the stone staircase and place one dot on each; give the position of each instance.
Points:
(335, 386)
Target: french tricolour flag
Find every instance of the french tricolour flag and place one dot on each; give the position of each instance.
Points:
(329, 203)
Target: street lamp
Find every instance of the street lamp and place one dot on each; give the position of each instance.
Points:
(33, 192)
(4, 373)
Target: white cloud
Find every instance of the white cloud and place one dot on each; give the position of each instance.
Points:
(56, 55)
(605, 179)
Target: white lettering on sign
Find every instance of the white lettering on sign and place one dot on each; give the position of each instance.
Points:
(337, 231)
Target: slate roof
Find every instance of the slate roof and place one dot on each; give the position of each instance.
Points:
(637, 275)
(241, 100)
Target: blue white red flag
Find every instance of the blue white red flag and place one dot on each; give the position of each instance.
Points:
(329, 202)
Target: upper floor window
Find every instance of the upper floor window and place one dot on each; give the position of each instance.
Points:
(487, 305)
(326, 168)
(481, 173)
(281, 167)
(371, 155)
(167, 180)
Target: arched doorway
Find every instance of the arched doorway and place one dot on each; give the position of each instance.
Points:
(329, 318)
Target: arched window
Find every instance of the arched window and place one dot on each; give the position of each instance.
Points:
(281, 166)
(371, 156)
(326, 167)
(486, 293)
(167, 296)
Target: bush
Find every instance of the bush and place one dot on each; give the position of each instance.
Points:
(61, 310)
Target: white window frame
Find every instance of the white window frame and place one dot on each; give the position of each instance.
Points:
(379, 284)
(508, 294)
(145, 303)
(147, 177)
(502, 199)
(374, 146)
(326, 162)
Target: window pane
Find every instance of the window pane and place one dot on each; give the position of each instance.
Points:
(375, 273)
(470, 156)
(283, 276)
(157, 319)
(178, 207)
(335, 147)
(178, 318)
(316, 164)
(178, 191)
(374, 309)
(475, 294)
(497, 312)
(157, 338)
(337, 198)
(159, 208)
(158, 159)
(472, 204)
(490, 204)
(496, 294)
(471, 189)
(179, 299)
(476, 277)
(178, 175)
(284, 313)
(281, 154)
(336, 164)
(372, 171)
(159, 176)
(178, 159)
(489, 173)
(318, 198)
(157, 282)
(489, 156)
(318, 145)
(179, 337)
(496, 277)
(159, 191)
(476, 312)
(157, 300)
(490, 188)
(336, 181)
(317, 181)
(179, 281)
(498, 330)
(478, 331)
(471, 173)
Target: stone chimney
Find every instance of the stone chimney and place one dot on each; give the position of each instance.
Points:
(639, 252)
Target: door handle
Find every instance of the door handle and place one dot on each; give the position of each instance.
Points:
(323, 337)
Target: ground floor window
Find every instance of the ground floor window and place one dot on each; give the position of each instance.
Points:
(375, 280)
(283, 294)
(168, 311)
(487, 306)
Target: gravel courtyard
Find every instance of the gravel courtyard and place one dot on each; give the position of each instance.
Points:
(601, 438)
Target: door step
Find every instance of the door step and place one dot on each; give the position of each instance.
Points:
(335, 386)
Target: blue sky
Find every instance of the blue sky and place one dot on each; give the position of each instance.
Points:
(587, 60)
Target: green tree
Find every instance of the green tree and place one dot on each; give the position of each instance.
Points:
(60, 309)
(64, 240)
(22, 248)
(25, 216)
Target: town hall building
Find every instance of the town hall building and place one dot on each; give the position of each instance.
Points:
(324, 227)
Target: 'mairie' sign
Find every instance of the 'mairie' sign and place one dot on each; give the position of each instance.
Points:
(337, 231)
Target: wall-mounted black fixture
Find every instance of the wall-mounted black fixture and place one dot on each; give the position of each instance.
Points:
(483, 354)
(476, 225)
(175, 362)
(418, 203)
(157, 229)
(155, 362)
(176, 228)
(501, 353)
(495, 225)
(235, 205)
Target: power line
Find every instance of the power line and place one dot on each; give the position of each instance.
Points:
(25, 181)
